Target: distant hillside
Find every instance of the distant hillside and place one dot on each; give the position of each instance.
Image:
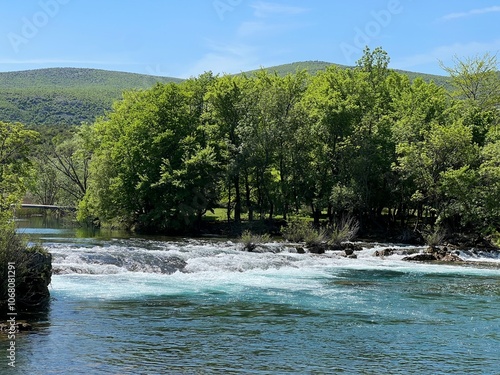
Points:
(70, 96)
(312, 67)
(65, 96)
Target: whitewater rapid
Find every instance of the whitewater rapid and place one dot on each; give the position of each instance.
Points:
(136, 267)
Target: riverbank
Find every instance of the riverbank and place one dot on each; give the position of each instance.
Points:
(26, 274)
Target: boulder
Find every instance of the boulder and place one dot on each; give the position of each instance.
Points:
(384, 252)
(349, 252)
(450, 257)
(33, 293)
(300, 250)
(435, 253)
(317, 248)
(351, 246)
(421, 257)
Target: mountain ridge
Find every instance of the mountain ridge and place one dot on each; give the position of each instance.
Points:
(69, 96)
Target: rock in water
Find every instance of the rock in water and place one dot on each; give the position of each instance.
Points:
(435, 253)
(421, 257)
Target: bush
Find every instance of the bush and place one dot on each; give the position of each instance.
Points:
(495, 239)
(251, 240)
(298, 231)
(315, 237)
(301, 231)
(434, 238)
(342, 231)
(33, 271)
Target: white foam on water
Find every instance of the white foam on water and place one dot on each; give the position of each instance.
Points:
(121, 268)
(479, 256)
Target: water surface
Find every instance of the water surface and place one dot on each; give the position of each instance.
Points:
(126, 305)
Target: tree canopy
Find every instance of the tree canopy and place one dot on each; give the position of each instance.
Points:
(15, 144)
(365, 141)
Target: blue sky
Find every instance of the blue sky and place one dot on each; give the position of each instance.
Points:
(183, 38)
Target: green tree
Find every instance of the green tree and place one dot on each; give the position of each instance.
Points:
(488, 188)
(476, 81)
(32, 264)
(370, 145)
(332, 110)
(353, 147)
(415, 108)
(445, 153)
(270, 130)
(44, 185)
(153, 168)
(16, 143)
(226, 110)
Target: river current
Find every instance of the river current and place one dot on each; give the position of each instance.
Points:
(123, 305)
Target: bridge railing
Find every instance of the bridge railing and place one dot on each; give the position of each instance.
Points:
(46, 207)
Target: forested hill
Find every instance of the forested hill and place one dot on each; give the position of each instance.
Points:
(77, 78)
(65, 96)
(70, 96)
(312, 67)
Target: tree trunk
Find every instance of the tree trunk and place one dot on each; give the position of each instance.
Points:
(316, 215)
(330, 213)
(249, 202)
(237, 206)
(229, 203)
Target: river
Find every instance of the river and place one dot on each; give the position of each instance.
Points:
(152, 305)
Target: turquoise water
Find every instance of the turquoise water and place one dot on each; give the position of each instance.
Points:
(184, 306)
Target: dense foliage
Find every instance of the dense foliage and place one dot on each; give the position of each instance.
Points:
(154, 165)
(366, 142)
(30, 265)
(15, 144)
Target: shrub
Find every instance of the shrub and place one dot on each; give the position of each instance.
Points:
(495, 239)
(315, 237)
(251, 240)
(33, 271)
(298, 231)
(434, 238)
(343, 230)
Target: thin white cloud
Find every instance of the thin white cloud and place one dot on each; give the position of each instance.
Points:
(225, 58)
(473, 12)
(252, 28)
(446, 53)
(264, 9)
(4, 61)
